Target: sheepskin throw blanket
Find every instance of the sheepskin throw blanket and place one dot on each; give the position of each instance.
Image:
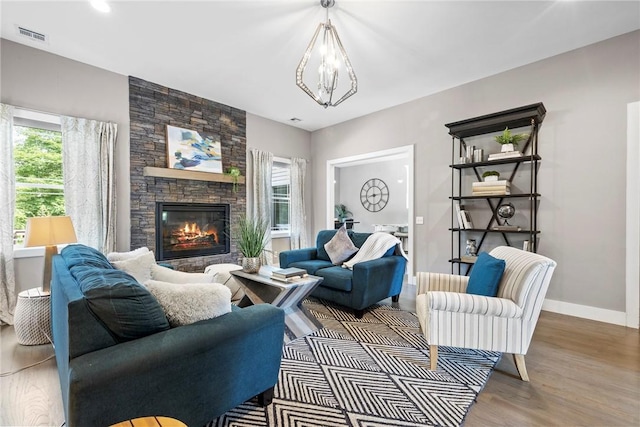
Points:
(374, 247)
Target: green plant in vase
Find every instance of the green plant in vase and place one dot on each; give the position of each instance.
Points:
(251, 238)
(490, 176)
(234, 172)
(342, 212)
(510, 140)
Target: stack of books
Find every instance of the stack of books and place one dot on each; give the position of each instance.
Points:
(491, 188)
(464, 219)
(505, 155)
(288, 274)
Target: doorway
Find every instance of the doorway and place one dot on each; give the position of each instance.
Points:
(406, 154)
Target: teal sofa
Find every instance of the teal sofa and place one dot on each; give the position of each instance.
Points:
(368, 283)
(118, 359)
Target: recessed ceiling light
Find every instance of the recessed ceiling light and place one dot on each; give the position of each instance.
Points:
(100, 5)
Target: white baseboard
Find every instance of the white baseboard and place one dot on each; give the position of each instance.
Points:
(586, 312)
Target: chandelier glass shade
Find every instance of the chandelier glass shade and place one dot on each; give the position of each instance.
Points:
(326, 54)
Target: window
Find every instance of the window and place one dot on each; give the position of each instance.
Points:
(37, 154)
(281, 188)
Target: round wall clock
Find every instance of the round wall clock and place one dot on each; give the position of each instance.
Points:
(374, 195)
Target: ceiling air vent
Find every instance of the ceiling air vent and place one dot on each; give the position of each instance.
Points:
(32, 35)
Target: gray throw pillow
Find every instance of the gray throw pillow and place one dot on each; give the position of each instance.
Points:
(340, 247)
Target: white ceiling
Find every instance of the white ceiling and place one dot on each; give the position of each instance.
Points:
(244, 53)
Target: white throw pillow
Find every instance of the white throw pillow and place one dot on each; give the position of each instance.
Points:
(340, 247)
(164, 274)
(222, 274)
(121, 256)
(139, 267)
(186, 303)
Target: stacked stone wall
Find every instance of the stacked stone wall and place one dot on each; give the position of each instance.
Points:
(151, 108)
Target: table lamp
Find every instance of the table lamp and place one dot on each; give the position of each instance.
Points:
(49, 231)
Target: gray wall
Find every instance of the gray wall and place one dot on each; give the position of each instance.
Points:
(582, 174)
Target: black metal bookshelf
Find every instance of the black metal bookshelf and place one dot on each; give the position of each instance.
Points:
(527, 116)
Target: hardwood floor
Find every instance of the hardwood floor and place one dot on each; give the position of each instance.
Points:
(31, 397)
(583, 373)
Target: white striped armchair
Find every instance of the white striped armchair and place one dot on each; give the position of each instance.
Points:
(450, 317)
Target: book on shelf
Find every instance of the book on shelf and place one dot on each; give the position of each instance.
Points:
(491, 188)
(459, 215)
(502, 192)
(468, 258)
(505, 155)
(466, 219)
(501, 182)
(506, 228)
(285, 273)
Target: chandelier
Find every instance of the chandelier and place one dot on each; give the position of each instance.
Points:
(331, 57)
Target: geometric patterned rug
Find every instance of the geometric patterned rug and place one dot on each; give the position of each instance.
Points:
(366, 372)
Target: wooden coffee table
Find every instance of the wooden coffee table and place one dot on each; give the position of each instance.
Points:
(260, 288)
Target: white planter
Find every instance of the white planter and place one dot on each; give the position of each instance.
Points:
(491, 178)
(506, 148)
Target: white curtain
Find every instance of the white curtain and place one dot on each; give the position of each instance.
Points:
(7, 207)
(297, 207)
(262, 163)
(89, 180)
(108, 134)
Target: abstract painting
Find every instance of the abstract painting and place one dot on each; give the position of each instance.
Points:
(188, 150)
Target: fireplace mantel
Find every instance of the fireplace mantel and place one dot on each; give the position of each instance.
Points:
(194, 175)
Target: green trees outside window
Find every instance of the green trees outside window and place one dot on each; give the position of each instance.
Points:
(38, 169)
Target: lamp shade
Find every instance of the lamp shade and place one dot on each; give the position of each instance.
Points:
(49, 230)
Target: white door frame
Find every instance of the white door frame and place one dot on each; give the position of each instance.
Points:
(633, 216)
(404, 151)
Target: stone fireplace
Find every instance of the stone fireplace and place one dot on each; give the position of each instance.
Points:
(186, 230)
(151, 108)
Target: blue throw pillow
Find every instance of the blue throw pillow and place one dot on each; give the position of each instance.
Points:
(123, 305)
(78, 254)
(485, 275)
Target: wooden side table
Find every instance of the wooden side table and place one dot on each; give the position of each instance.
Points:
(32, 318)
(151, 422)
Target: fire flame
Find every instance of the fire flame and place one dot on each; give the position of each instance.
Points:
(193, 229)
(190, 235)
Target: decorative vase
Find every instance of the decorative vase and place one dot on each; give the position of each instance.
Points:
(251, 265)
(471, 249)
(506, 148)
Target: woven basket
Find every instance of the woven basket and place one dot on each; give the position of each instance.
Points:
(32, 319)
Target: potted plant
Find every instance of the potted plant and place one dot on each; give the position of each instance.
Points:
(509, 140)
(251, 238)
(234, 172)
(342, 212)
(490, 176)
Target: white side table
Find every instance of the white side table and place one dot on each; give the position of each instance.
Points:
(32, 319)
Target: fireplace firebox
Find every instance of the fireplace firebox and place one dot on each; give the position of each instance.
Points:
(191, 229)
